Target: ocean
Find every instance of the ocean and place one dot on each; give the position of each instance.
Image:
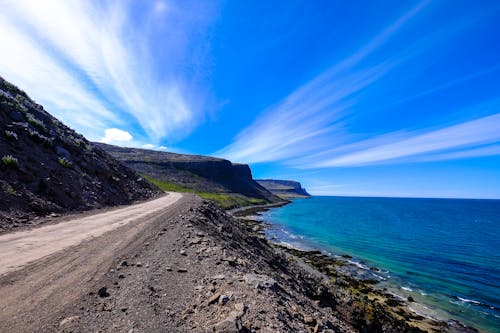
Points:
(445, 253)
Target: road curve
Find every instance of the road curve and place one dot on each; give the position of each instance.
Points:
(18, 249)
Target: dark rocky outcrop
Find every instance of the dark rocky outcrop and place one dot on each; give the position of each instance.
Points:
(284, 188)
(46, 167)
(200, 173)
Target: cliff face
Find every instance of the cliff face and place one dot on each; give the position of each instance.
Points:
(47, 167)
(200, 173)
(284, 188)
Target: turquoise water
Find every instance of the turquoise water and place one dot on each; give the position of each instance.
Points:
(443, 252)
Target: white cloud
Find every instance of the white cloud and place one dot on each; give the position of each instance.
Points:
(148, 146)
(465, 136)
(87, 59)
(115, 135)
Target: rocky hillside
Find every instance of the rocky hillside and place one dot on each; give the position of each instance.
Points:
(284, 188)
(202, 174)
(46, 167)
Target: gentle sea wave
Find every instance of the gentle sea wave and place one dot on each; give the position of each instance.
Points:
(444, 253)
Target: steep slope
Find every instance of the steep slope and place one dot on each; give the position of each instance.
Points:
(284, 188)
(47, 167)
(203, 174)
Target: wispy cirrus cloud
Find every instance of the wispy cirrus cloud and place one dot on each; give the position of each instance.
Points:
(93, 63)
(307, 119)
(457, 141)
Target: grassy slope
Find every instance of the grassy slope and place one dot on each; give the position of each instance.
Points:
(225, 200)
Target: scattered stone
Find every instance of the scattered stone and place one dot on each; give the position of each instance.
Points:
(138, 264)
(182, 252)
(103, 292)
(217, 277)
(198, 288)
(231, 324)
(223, 299)
(260, 281)
(410, 299)
(123, 263)
(213, 299)
(168, 268)
(182, 270)
(308, 320)
(200, 234)
(66, 323)
(240, 306)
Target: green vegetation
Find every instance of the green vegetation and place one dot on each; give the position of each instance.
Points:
(36, 122)
(11, 89)
(10, 190)
(37, 137)
(65, 163)
(10, 161)
(225, 200)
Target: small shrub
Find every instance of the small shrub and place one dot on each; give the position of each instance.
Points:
(64, 162)
(36, 122)
(10, 161)
(35, 136)
(20, 98)
(11, 135)
(10, 190)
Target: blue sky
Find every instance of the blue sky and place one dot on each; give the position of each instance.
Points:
(377, 98)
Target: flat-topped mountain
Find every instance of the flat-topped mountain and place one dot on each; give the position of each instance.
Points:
(47, 167)
(202, 174)
(284, 188)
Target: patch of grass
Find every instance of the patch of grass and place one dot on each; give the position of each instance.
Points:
(65, 163)
(225, 200)
(36, 122)
(10, 161)
(167, 186)
(230, 201)
(11, 135)
(10, 190)
(35, 136)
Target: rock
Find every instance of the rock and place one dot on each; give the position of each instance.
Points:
(123, 263)
(231, 324)
(223, 299)
(62, 152)
(213, 299)
(217, 277)
(308, 320)
(138, 264)
(103, 292)
(168, 268)
(195, 241)
(182, 252)
(260, 281)
(410, 299)
(182, 270)
(200, 234)
(240, 306)
(66, 323)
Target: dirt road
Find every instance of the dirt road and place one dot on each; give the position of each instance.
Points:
(19, 248)
(46, 268)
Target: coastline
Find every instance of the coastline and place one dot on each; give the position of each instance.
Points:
(358, 284)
